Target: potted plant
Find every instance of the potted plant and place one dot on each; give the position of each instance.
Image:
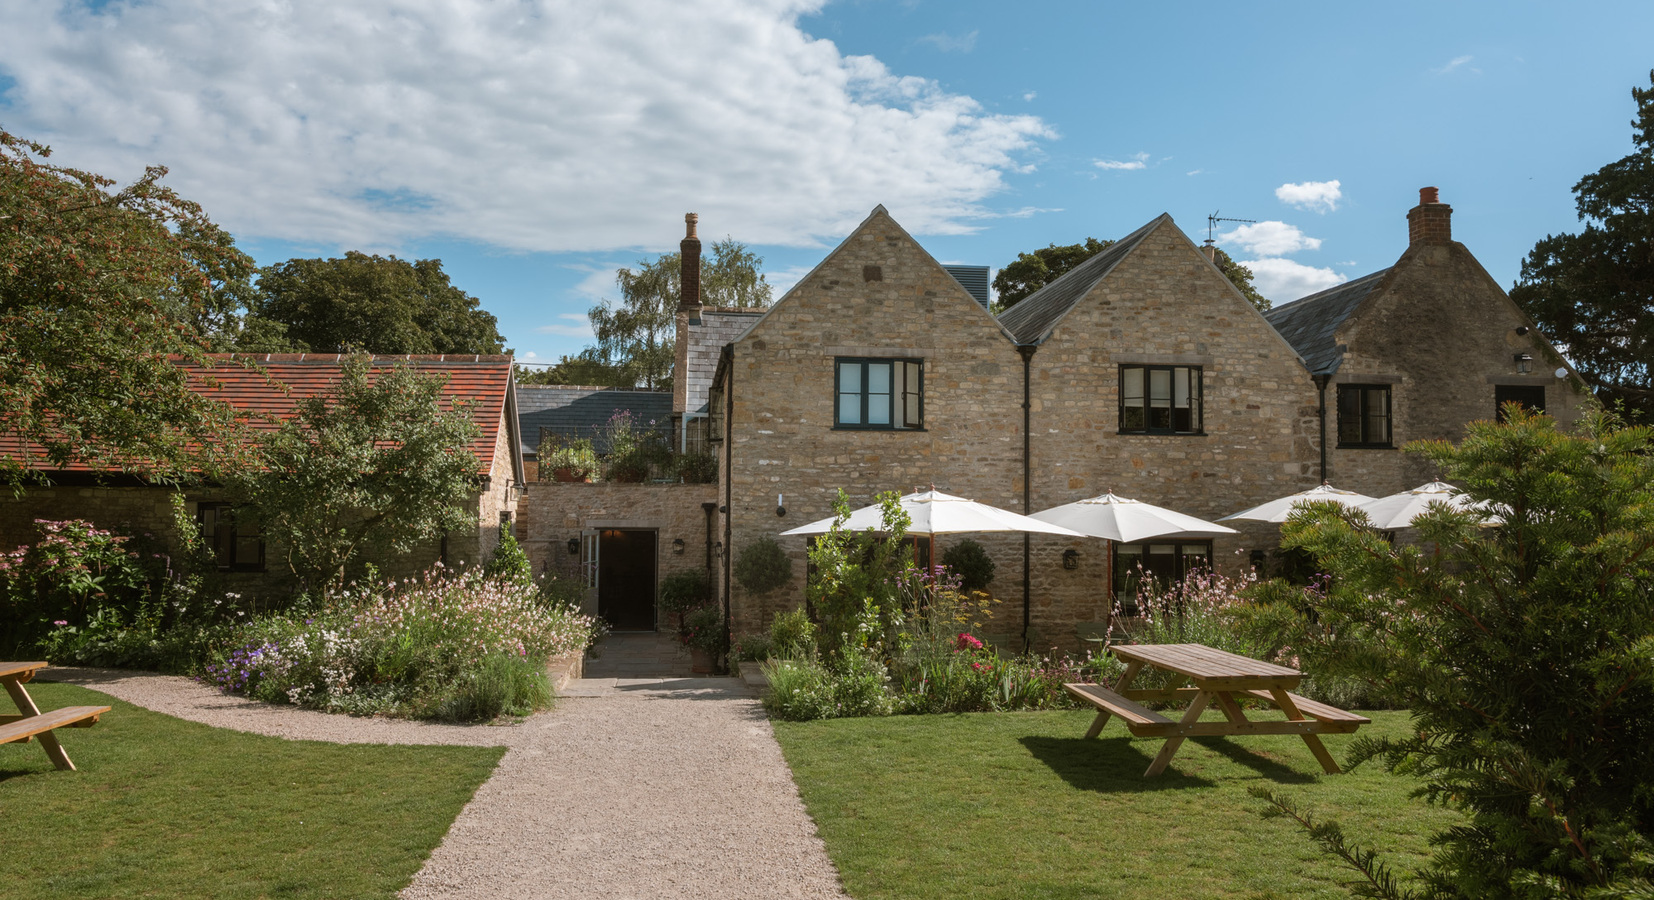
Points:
(682, 592)
(633, 451)
(703, 633)
(573, 462)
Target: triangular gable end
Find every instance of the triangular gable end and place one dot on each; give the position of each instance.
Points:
(879, 218)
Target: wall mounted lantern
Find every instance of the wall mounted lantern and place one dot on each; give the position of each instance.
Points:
(574, 546)
(1522, 360)
(677, 546)
(780, 509)
(1071, 559)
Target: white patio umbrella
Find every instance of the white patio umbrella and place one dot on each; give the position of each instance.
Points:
(934, 512)
(1127, 521)
(1399, 510)
(1278, 509)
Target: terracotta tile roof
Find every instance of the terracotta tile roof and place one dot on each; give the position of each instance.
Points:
(268, 392)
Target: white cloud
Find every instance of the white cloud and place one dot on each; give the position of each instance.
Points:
(1271, 238)
(1320, 196)
(1458, 62)
(1030, 95)
(1194, 171)
(543, 127)
(951, 43)
(1137, 161)
(1282, 280)
(572, 325)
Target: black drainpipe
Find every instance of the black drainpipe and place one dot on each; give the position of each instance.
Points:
(1321, 413)
(729, 473)
(1027, 353)
(709, 507)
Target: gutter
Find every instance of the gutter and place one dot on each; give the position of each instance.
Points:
(1321, 380)
(727, 366)
(1026, 351)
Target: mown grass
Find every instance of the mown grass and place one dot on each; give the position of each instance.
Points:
(1017, 805)
(161, 807)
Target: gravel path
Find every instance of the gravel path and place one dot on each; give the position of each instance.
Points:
(629, 789)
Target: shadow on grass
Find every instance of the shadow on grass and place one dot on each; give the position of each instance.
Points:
(1107, 765)
(8, 774)
(1268, 767)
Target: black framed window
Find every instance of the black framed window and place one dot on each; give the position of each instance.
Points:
(879, 393)
(1531, 396)
(1160, 399)
(237, 545)
(1364, 415)
(1165, 562)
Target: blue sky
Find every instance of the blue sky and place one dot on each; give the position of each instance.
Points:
(536, 147)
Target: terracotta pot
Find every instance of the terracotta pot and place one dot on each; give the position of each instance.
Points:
(700, 661)
(569, 476)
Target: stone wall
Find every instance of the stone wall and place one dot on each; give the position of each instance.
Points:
(551, 513)
(1443, 335)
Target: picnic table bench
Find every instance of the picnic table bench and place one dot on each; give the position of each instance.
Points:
(1218, 677)
(30, 722)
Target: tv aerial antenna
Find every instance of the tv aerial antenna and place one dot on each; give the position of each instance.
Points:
(1212, 224)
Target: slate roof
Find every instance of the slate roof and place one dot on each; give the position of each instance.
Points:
(706, 341)
(270, 393)
(1311, 324)
(581, 411)
(1032, 320)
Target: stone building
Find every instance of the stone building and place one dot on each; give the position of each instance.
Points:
(1142, 372)
(267, 393)
(1414, 351)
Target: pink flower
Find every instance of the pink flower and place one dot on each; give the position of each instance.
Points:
(60, 622)
(967, 641)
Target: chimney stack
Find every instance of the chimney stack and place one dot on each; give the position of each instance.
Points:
(689, 273)
(1431, 221)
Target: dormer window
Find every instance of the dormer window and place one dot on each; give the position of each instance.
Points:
(879, 394)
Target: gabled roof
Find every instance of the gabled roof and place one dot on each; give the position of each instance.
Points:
(1311, 324)
(1032, 319)
(581, 411)
(268, 392)
(706, 341)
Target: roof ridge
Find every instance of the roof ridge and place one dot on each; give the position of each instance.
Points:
(1039, 312)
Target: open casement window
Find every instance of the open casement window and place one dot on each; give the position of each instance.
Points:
(879, 393)
(1364, 415)
(237, 546)
(1160, 400)
(1166, 563)
(1532, 398)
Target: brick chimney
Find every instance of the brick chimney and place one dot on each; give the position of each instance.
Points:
(689, 274)
(1431, 222)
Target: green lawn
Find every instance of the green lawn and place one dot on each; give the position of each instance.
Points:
(167, 808)
(1017, 805)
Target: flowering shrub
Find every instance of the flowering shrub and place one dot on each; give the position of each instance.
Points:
(411, 648)
(77, 574)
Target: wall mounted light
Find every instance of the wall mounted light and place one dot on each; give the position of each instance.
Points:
(780, 508)
(1071, 559)
(677, 546)
(574, 546)
(1521, 330)
(1522, 360)
(718, 548)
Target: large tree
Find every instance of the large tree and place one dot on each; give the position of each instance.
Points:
(1031, 271)
(101, 288)
(375, 462)
(1592, 293)
(635, 336)
(371, 304)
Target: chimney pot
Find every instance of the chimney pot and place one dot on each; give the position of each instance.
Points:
(690, 219)
(1426, 195)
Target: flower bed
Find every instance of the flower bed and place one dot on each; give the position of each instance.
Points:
(449, 647)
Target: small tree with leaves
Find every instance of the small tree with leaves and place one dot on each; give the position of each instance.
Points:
(1524, 650)
(375, 462)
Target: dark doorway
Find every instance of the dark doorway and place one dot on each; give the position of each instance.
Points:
(626, 579)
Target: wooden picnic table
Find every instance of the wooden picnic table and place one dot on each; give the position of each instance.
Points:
(30, 722)
(1218, 677)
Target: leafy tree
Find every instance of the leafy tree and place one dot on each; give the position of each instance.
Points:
(374, 462)
(1592, 293)
(1525, 652)
(1031, 271)
(854, 586)
(100, 289)
(574, 370)
(370, 304)
(635, 338)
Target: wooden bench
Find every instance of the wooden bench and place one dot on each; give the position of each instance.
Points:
(1337, 721)
(1139, 719)
(30, 722)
